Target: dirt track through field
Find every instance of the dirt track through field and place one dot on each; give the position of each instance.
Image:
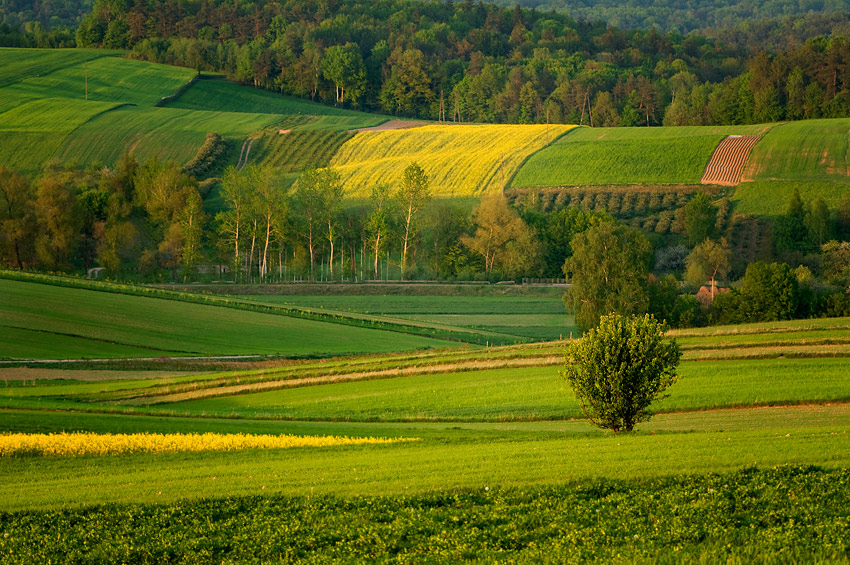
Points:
(728, 160)
(393, 124)
(243, 153)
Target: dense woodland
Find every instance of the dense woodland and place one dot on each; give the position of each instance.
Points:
(682, 17)
(477, 62)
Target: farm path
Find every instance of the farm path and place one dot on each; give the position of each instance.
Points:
(392, 125)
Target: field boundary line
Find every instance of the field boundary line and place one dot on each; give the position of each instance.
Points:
(89, 338)
(377, 374)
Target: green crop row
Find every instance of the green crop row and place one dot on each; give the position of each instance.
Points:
(618, 203)
(297, 150)
(783, 514)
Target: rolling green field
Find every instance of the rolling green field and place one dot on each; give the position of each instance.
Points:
(168, 134)
(812, 156)
(108, 78)
(610, 156)
(49, 322)
(499, 447)
(520, 316)
(217, 94)
(805, 151)
(44, 113)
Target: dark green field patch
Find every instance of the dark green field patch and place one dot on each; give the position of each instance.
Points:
(217, 94)
(168, 325)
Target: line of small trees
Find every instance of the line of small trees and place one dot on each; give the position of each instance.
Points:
(148, 222)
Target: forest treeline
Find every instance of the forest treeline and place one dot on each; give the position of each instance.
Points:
(476, 62)
(682, 17)
(146, 222)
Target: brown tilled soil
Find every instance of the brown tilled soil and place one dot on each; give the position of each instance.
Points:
(728, 160)
(394, 124)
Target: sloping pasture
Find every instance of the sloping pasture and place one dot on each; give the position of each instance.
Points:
(51, 322)
(611, 156)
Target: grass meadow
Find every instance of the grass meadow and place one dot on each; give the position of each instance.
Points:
(746, 458)
(610, 156)
(51, 322)
(525, 317)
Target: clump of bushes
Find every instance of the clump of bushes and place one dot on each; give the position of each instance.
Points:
(210, 157)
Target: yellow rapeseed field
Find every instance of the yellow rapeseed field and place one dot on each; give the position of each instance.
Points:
(71, 444)
(460, 160)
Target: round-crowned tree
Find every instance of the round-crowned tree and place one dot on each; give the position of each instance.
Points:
(619, 368)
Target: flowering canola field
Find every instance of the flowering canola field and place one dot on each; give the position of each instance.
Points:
(74, 444)
(460, 160)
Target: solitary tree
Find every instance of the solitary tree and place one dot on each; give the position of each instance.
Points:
(619, 368)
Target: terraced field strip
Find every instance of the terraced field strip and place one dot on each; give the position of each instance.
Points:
(729, 344)
(460, 160)
(296, 150)
(728, 160)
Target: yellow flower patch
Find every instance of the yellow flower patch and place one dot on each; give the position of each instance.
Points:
(460, 160)
(73, 444)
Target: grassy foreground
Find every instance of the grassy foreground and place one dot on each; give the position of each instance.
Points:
(786, 514)
(502, 470)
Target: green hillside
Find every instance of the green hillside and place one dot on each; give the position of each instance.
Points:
(812, 156)
(55, 104)
(40, 321)
(220, 95)
(166, 133)
(609, 156)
